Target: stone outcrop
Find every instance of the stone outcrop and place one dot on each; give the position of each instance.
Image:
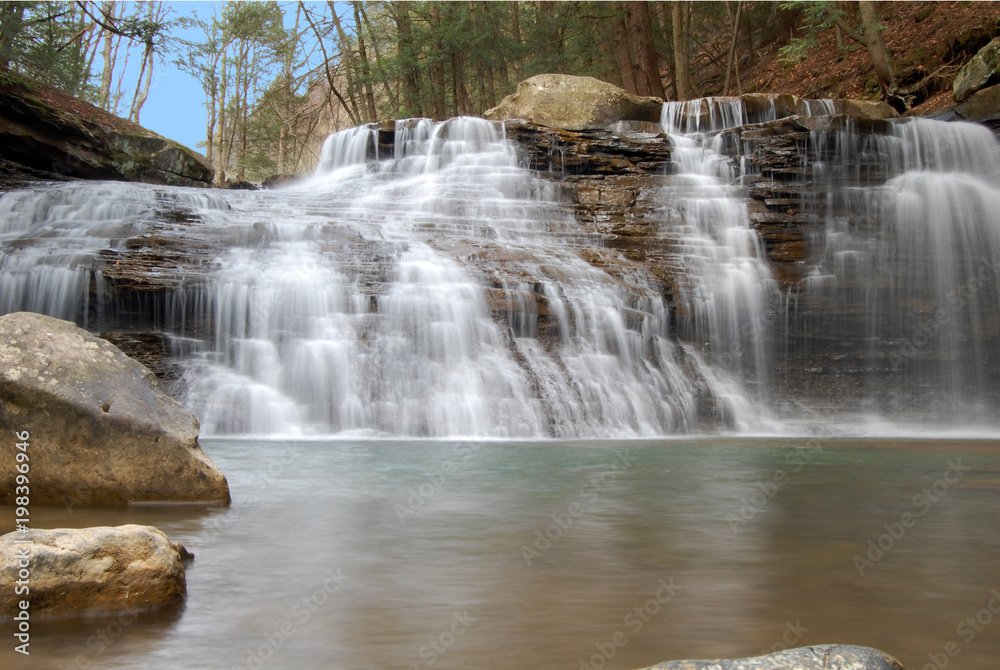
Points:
(983, 107)
(100, 431)
(45, 134)
(819, 657)
(982, 71)
(574, 103)
(91, 570)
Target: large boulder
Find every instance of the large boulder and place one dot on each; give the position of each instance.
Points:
(574, 103)
(875, 110)
(99, 430)
(90, 570)
(52, 135)
(982, 107)
(982, 71)
(819, 657)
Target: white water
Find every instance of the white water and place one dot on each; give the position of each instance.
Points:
(727, 286)
(916, 259)
(442, 293)
(308, 341)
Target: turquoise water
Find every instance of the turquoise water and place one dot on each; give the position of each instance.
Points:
(446, 555)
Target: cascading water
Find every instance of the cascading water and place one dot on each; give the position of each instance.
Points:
(426, 284)
(910, 262)
(727, 287)
(370, 308)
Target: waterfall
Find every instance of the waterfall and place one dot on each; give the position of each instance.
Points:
(727, 286)
(910, 258)
(424, 283)
(373, 306)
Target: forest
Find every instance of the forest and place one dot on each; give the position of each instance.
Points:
(279, 76)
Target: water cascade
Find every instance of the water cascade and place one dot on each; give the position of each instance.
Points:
(424, 283)
(727, 287)
(908, 251)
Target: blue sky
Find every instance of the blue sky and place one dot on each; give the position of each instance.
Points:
(175, 107)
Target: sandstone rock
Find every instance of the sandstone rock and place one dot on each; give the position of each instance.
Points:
(57, 136)
(819, 657)
(984, 105)
(983, 70)
(574, 103)
(875, 110)
(101, 569)
(100, 431)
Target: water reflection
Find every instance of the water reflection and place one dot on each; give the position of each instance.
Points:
(558, 555)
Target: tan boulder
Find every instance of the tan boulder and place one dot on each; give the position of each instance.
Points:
(574, 103)
(875, 110)
(99, 431)
(100, 569)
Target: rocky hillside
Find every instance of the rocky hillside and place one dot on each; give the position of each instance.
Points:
(928, 41)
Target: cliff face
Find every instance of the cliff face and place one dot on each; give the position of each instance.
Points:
(48, 135)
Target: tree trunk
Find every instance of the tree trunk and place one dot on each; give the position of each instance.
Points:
(516, 28)
(109, 10)
(644, 61)
(345, 45)
(881, 60)
(142, 86)
(682, 67)
(732, 45)
(326, 68)
(623, 56)
(405, 55)
(365, 70)
(437, 66)
(220, 170)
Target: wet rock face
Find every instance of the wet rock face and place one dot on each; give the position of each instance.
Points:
(99, 430)
(92, 570)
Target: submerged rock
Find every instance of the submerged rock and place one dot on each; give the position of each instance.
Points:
(574, 103)
(983, 70)
(819, 657)
(91, 570)
(99, 430)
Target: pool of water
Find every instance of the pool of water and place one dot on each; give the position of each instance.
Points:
(445, 555)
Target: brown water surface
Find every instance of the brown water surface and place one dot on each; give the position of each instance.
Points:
(446, 555)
